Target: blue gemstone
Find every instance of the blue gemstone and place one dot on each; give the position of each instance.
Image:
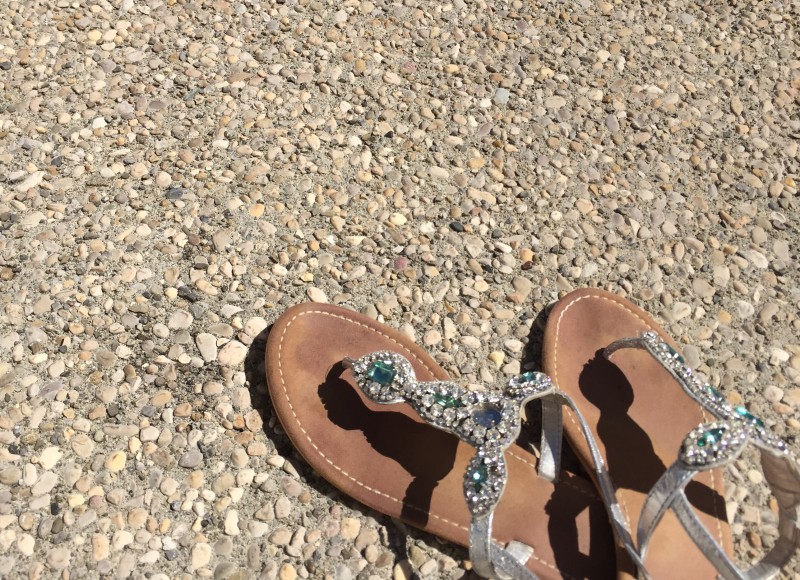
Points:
(748, 416)
(478, 476)
(487, 416)
(527, 377)
(381, 372)
(710, 437)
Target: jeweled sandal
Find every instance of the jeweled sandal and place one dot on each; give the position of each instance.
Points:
(621, 369)
(441, 458)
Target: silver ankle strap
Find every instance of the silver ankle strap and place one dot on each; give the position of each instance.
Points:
(488, 421)
(713, 445)
(552, 412)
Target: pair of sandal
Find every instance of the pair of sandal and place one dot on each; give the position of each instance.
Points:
(379, 419)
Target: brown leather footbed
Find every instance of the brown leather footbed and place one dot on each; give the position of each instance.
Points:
(388, 459)
(639, 415)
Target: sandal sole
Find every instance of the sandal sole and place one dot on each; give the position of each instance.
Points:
(639, 416)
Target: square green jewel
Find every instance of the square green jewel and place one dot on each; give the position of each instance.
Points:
(381, 372)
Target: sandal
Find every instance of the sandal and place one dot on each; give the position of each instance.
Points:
(621, 369)
(440, 457)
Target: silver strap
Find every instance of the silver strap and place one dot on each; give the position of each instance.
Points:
(710, 446)
(552, 410)
(490, 560)
(552, 430)
(508, 564)
(669, 494)
(480, 545)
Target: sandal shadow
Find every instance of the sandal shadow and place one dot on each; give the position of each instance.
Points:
(630, 455)
(427, 454)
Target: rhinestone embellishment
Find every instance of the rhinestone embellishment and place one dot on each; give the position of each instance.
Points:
(748, 416)
(485, 480)
(489, 421)
(713, 444)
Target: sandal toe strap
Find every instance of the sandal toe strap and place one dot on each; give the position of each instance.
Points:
(488, 421)
(491, 560)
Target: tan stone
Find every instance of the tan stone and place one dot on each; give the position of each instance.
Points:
(116, 461)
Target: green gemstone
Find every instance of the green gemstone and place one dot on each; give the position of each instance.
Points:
(748, 416)
(527, 377)
(478, 477)
(714, 392)
(446, 401)
(675, 355)
(710, 437)
(381, 372)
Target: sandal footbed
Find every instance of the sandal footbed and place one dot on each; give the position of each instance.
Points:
(639, 415)
(390, 460)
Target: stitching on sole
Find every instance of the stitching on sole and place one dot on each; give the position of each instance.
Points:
(342, 471)
(625, 307)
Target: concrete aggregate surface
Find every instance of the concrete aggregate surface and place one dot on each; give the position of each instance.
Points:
(174, 174)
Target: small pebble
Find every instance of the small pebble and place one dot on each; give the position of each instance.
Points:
(191, 459)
